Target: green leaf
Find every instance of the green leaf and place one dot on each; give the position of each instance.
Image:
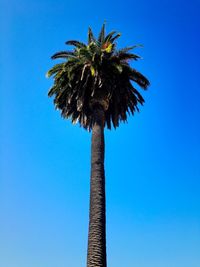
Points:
(91, 37)
(63, 54)
(53, 90)
(102, 34)
(55, 69)
(85, 54)
(109, 36)
(126, 56)
(75, 43)
(115, 37)
(96, 72)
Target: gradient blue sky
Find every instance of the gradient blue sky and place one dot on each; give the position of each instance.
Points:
(152, 163)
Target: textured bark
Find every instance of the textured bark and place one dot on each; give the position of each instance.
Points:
(96, 256)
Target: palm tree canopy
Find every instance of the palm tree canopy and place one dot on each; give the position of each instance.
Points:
(96, 74)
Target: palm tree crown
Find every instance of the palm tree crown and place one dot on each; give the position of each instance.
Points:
(96, 74)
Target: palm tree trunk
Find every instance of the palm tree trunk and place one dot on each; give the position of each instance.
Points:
(96, 256)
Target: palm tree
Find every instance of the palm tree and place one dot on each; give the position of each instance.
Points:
(94, 85)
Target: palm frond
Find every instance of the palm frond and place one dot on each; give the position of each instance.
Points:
(53, 90)
(94, 74)
(109, 36)
(140, 79)
(56, 68)
(126, 56)
(86, 54)
(75, 43)
(119, 67)
(139, 96)
(115, 37)
(102, 34)
(63, 54)
(128, 48)
(91, 37)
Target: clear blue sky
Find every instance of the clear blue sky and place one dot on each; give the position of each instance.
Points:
(152, 163)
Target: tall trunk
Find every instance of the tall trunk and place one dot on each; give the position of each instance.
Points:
(96, 256)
